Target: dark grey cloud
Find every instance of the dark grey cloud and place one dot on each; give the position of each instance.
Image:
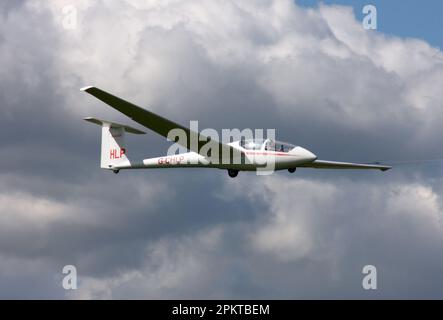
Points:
(314, 75)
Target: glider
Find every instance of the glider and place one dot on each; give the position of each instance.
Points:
(241, 155)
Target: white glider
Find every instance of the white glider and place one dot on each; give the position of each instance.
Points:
(241, 155)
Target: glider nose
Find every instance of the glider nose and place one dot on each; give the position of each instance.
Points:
(306, 154)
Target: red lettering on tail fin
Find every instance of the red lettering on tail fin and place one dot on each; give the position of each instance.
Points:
(114, 154)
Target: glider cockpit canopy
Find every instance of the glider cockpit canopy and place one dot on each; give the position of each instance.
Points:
(266, 144)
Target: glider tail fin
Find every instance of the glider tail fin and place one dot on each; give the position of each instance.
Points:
(113, 151)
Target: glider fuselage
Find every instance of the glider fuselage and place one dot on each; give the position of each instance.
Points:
(252, 158)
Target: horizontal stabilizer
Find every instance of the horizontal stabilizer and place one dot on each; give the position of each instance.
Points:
(112, 124)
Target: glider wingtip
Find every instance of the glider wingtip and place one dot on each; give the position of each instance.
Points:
(86, 88)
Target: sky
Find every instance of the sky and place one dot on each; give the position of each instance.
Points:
(403, 18)
(309, 70)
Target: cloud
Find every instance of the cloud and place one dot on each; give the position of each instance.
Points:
(301, 225)
(319, 240)
(172, 268)
(313, 74)
(318, 235)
